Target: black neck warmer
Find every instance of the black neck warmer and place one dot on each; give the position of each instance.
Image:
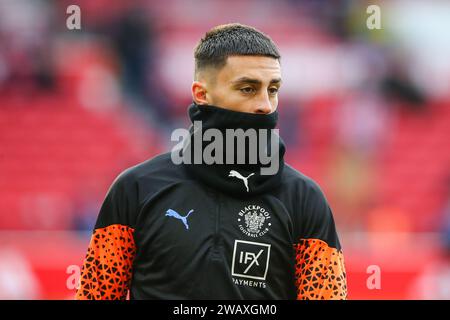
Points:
(238, 179)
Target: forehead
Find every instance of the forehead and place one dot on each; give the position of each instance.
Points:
(256, 67)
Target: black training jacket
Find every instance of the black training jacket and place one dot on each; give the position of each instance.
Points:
(162, 234)
(221, 231)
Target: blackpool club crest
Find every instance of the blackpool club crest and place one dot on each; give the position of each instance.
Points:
(254, 221)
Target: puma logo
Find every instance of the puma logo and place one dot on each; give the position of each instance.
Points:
(176, 215)
(234, 173)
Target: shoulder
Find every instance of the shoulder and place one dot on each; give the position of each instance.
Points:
(144, 179)
(160, 167)
(303, 195)
(299, 183)
(311, 212)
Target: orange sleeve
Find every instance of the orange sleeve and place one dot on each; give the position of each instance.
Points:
(107, 268)
(319, 271)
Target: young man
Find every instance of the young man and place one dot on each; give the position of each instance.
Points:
(223, 229)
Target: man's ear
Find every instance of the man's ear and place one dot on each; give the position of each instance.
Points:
(199, 92)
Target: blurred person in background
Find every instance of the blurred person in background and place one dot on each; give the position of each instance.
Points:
(134, 38)
(397, 86)
(27, 30)
(218, 231)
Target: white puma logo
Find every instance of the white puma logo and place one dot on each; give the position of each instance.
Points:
(234, 173)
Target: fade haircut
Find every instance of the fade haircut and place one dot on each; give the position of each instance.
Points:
(231, 39)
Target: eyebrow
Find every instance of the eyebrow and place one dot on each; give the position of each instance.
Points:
(254, 81)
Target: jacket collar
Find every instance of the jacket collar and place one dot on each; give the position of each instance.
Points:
(237, 179)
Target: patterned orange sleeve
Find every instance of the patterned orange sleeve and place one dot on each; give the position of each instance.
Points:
(107, 268)
(319, 271)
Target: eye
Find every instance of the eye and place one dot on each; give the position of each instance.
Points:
(247, 90)
(273, 90)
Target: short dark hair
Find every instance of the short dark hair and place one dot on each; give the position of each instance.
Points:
(232, 39)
